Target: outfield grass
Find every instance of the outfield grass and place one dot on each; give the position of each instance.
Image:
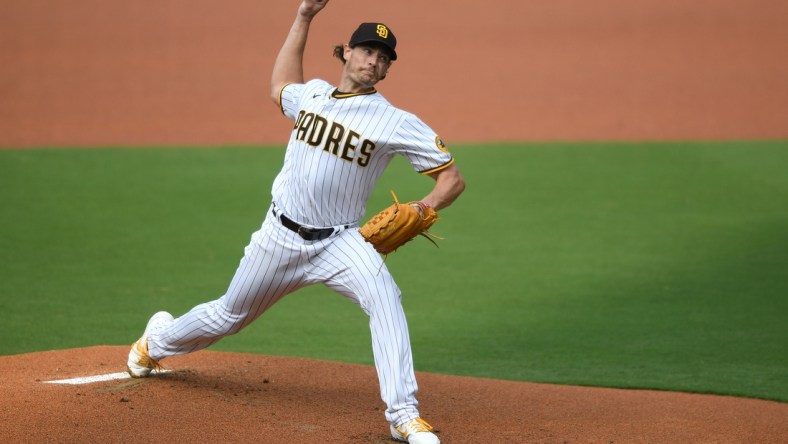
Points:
(652, 265)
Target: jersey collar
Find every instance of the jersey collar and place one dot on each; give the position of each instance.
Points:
(337, 94)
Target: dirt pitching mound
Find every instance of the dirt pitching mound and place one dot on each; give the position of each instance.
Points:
(230, 397)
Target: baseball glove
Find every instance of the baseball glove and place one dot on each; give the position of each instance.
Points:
(398, 224)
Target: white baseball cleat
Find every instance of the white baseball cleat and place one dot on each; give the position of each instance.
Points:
(414, 431)
(140, 363)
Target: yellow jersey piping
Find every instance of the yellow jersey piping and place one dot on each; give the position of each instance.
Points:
(281, 108)
(436, 169)
(340, 95)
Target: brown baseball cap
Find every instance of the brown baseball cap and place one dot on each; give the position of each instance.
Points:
(375, 33)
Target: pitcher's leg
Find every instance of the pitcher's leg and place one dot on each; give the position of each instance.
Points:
(267, 272)
(393, 357)
(356, 271)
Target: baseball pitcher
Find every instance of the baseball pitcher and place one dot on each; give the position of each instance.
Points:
(342, 139)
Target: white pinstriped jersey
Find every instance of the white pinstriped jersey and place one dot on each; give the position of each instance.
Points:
(339, 148)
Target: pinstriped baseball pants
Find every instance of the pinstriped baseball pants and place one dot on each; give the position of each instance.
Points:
(277, 262)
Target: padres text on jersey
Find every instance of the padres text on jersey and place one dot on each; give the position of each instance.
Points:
(318, 131)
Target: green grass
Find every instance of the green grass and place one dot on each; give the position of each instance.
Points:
(641, 265)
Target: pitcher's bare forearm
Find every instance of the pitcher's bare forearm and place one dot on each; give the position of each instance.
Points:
(289, 63)
(449, 184)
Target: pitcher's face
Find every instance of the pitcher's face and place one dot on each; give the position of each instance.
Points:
(366, 65)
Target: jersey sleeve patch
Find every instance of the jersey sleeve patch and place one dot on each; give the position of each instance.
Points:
(441, 146)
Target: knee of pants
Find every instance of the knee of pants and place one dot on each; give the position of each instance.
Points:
(384, 296)
(224, 322)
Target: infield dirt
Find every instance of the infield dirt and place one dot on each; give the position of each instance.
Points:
(149, 72)
(97, 73)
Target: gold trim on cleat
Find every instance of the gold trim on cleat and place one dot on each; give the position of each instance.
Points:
(143, 359)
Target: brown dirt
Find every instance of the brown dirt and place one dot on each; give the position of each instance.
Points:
(175, 72)
(97, 73)
(230, 397)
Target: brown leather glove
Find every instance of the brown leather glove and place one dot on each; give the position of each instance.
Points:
(398, 224)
